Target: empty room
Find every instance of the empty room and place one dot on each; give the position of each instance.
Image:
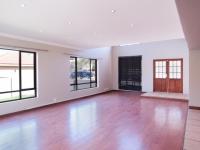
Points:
(99, 75)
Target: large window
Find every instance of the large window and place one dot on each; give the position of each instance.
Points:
(17, 75)
(83, 73)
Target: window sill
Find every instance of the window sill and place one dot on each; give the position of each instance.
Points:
(14, 100)
(85, 89)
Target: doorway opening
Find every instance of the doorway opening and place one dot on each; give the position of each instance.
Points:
(130, 73)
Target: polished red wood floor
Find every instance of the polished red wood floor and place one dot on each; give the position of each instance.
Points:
(110, 121)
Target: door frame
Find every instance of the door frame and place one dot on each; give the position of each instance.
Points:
(167, 70)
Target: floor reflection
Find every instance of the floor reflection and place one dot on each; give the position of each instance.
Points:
(172, 116)
(82, 120)
(160, 116)
(11, 138)
(129, 141)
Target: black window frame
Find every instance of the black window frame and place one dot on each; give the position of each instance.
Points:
(76, 70)
(20, 77)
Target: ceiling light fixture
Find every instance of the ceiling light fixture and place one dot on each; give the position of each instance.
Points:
(132, 25)
(41, 31)
(69, 22)
(113, 11)
(130, 44)
(22, 5)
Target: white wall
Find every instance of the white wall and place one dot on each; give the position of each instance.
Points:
(53, 76)
(194, 78)
(53, 69)
(149, 51)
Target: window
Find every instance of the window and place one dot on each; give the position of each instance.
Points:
(17, 75)
(83, 73)
(175, 69)
(161, 69)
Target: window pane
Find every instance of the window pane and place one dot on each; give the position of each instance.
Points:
(27, 61)
(157, 69)
(174, 63)
(179, 63)
(157, 63)
(164, 63)
(174, 69)
(175, 75)
(157, 76)
(83, 86)
(160, 75)
(178, 75)
(9, 70)
(160, 69)
(160, 63)
(9, 96)
(171, 63)
(178, 69)
(93, 70)
(83, 70)
(164, 75)
(26, 94)
(93, 85)
(170, 75)
(170, 69)
(72, 87)
(72, 70)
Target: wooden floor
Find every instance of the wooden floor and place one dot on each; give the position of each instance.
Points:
(111, 121)
(192, 135)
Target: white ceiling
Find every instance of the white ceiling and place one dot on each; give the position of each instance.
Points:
(189, 14)
(85, 24)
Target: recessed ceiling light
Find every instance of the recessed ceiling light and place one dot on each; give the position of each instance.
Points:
(113, 11)
(69, 22)
(130, 44)
(132, 25)
(41, 31)
(22, 5)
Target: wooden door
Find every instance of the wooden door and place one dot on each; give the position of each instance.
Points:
(175, 75)
(168, 75)
(160, 75)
